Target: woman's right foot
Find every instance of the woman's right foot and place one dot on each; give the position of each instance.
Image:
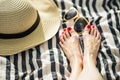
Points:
(69, 42)
(91, 39)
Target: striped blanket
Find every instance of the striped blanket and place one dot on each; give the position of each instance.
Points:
(47, 61)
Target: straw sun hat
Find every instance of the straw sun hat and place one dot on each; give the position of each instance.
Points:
(26, 23)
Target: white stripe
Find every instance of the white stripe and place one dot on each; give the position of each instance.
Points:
(2, 68)
(12, 68)
(20, 66)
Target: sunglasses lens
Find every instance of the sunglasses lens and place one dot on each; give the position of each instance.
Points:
(80, 25)
(70, 14)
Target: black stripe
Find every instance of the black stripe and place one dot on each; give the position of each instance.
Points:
(8, 68)
(117, 19)
(104, 5)
(109, 4)
(64, 25)
(80, 3)
(83, 12)
(38, 58)
(82, 9)
(117, 76)
(98, 64)
(63, 13)
(22, 34)
(88, 7)
(31, 64)
(16, 66)
(94, 7)
(63, 8)
(23, 62)
(52, 60)
(73, 1)
(117, 4)
(61, 61)
(92, 21)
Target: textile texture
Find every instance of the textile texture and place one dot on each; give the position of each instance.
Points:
(47, 61)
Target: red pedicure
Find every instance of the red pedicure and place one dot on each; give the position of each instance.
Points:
(93, 26)
(63, 32)
(69, 28)
(88, 26)
(64, 29)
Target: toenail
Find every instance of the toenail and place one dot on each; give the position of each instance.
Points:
(93, 26)
(63, 32)
(69, 28)
(88, 26)
(64, 29)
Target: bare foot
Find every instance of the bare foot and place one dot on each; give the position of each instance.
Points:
(69, 42)
(92, 39)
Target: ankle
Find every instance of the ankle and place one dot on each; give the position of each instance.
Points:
(76, 61)
(89, 60)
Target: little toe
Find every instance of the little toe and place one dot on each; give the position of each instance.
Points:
(98, 36)
(61, 44)
(62, 39)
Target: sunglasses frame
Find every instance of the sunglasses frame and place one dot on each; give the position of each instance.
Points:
(75, 18)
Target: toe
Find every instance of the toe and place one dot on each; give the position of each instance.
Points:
(67, 34)
(87, 29)
(92, 30)
(95, 33)
(72, 32)
(61, 44)
(98, 36)
(64, 36)
(61, 39)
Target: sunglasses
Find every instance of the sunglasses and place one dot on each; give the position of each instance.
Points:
(79, 22)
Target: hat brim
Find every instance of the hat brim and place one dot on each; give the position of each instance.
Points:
(47, 28)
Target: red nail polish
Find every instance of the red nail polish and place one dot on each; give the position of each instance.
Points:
(88, 26)
(69, 28)
(93, 26)
(63, 32)
(64, 29)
